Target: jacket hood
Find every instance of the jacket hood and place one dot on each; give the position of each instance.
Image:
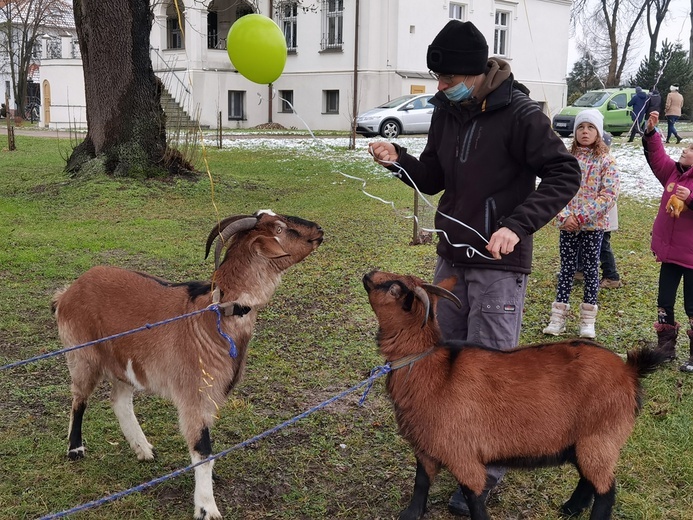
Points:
(496, 73)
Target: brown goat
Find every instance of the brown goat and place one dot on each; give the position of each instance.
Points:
(186, 361)
(464, 406)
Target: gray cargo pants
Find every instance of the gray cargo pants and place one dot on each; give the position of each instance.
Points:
(492, 303)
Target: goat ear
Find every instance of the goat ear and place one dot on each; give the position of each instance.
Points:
(269, 247)
(448, 283)
(441, 291)
(395, 290)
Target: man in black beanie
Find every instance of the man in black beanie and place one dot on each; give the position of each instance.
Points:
(487, 144)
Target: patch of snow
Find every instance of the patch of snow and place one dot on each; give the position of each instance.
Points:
(637, 180)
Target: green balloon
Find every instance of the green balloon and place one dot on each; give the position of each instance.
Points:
(257, 48)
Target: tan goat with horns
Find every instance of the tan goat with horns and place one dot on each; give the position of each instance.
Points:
(186, 361)
(464, 406)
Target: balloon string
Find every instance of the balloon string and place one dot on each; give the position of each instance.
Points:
(471, 250)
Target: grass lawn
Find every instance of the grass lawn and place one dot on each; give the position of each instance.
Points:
(314, 340)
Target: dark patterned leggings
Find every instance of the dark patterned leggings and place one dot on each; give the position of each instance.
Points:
(588, 244)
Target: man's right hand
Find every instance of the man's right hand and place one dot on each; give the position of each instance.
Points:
(383, 153)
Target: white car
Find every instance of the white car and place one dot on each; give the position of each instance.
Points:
(409, 114)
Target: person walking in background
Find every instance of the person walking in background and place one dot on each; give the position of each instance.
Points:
(654, 104)
(672, 111)
(639, 104)
(487, 144)
(583, 221)
(672, 241)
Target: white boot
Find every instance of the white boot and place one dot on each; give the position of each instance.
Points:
(588, 315)
(559, 313)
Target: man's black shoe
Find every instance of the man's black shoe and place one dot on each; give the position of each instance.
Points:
(458, 504)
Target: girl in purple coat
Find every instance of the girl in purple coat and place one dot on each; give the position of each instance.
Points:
(672, 241)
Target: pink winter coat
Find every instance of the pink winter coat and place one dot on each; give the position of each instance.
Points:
(672, 238)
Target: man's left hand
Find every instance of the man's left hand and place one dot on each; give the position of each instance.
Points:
(502, 242)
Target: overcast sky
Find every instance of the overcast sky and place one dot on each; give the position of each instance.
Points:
(676, 28)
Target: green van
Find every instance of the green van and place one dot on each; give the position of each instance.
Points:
(611, 102)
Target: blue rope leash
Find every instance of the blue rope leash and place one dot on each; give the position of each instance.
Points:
(375, 374)
(147, 326)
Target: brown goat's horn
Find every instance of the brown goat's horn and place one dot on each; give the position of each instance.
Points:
(218, 228)
(423, 296)
(224, 231)
(443, 293)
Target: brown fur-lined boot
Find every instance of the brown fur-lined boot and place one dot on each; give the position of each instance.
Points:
(666, 339)
(688, 365)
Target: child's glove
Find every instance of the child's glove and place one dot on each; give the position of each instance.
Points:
(675, 206)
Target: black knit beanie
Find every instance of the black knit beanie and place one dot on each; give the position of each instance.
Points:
(459, 48)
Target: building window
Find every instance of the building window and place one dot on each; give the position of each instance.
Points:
(174, 34)
(332, 21)
(213, 39)
(286, 98)
(54, 48)
(330, 101)
(76, 50)
(236, 104)
(458, 11)
(501, 33)
(36, 50)
(288, 21)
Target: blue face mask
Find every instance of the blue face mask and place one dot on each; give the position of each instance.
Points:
(459, 92)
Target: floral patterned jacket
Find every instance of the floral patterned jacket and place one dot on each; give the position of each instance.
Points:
(598, 192)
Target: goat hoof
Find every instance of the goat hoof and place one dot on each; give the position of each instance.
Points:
(76, 453)
(203, 514)
(145, 452)
(568, 511)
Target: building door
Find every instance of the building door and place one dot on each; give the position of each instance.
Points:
(46, 103)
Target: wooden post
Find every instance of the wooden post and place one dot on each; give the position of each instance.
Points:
(219, 130)
(10, 128)
(416, 239)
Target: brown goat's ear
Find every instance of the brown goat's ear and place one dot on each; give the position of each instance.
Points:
(269, 247)
(443, 293)
(395, 290)
(448, 283)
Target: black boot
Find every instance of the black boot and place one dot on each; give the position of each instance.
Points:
(688, 365)
(678, 139)
(666, 339)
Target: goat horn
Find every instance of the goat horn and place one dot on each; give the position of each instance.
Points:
(443, 293)
(423, 296)
(224, 231)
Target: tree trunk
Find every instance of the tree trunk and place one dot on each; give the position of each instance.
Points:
(126, 126)
(690, 39)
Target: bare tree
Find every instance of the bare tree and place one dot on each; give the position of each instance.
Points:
(126, 133)
(611, 29)
(23, 23)
(656, 11)
(690, 39)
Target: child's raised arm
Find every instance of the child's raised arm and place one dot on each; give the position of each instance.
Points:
(652, 121)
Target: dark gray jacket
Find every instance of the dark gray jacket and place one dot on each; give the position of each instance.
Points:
(485, 157)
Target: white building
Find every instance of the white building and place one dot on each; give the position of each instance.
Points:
(54, 37)
(330, 56)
